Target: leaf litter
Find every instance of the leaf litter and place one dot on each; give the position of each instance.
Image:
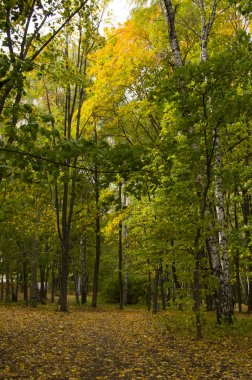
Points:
(131, 344)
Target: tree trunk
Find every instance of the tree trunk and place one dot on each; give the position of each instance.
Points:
(53, 286)
(98, 240)
(2, 287)
(250, 289)
(155, 290)
(237, 261)
(149, 287)
(215, 266)
(238, 284)
(126, 275)
(25, 279)
(206, 26)
(176, 283)
(64, 276)
(169, 12)
(120, 251)
(125, 288)
(34, 285)
(42, 286)
(196, 294)
(84, 277)
(161, 284)
(246, 210)
(64, 251)
(7, 284)
(227, 301)
(76, 285)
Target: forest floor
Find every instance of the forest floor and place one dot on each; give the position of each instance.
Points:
(111, 344)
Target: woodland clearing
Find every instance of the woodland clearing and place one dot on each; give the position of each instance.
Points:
(107, 343)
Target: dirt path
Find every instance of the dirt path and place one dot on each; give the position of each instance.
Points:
(42, 344)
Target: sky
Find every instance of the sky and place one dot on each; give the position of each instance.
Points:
(120, 9)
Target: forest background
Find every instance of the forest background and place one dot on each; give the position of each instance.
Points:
(125, 160)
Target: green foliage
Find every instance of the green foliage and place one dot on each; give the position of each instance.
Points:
(136, 290)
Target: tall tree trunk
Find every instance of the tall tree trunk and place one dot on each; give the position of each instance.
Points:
(98, 239)
(84, 276)
(238, 283)
(226, 301)
(120, 250)
(223, 297)
(196, 294)
(77, 280)
(53, 284)
(206, 26)
(42, 286)
(215, 266)
(34, 285)
(237, 260)
(161, 284)
(149, 286)
(2, 287)
(125, 288)
(176, 283)
(247, 211)
(126, 259)
(155, 290)
(250, 289)
(76, 286)
(64, 251)
(25, 278)
(169, 13)
(7, 284)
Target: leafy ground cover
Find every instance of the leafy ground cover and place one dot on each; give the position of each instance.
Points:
(111, 344)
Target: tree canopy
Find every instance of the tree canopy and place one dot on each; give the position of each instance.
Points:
(125, 158)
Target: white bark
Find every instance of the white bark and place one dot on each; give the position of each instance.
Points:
(206, 26)
(168, 11)
(220, 265)
(226, 302)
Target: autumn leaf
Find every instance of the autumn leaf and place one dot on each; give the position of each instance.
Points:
(111, 344)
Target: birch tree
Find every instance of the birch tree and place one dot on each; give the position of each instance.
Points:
(207, 18)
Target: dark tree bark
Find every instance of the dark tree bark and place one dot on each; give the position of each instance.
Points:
(197, 285)
(176, 283)
(120, 251)
(42, 286)
(7, 284)
(98, 238)
(53, 284)
(162, 292)
(25, 278)
(34, 285)
(84, 275)
(2, 287)
(149, 286)
(247, 212)
(76, 285)
(155, 290)
(237, 262)
(125, 288)
(196, 295)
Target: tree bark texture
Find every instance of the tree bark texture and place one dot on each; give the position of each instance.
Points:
(226, 299)
(169, 12)
(155, 290)
(84, 275)
(98, 240)
(247, 212)
(120, 250)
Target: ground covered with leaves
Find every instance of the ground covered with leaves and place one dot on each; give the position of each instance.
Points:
(112, 344)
